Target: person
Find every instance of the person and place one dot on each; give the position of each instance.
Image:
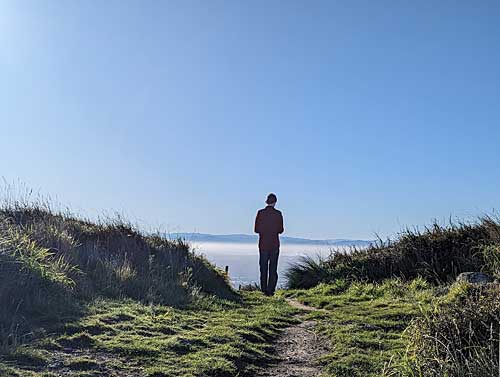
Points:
(269, 225)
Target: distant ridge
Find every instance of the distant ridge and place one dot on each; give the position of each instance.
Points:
(250, 238)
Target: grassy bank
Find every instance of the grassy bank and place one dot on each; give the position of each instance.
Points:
(212, 337)
(393, 309)
(52, 264)
(364, 322)
(459, 337)
(437, 254)
(86, 298)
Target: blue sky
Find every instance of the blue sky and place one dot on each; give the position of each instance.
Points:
(362, 116)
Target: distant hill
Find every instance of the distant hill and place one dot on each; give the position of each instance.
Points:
(250, 238)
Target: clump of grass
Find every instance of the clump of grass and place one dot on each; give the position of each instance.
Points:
(34, 284)
(459, 338)
(491, 256)
(81, 363)
(251, 287)
(79, 339)
(28, 356)
(438, 254)
(308, 272)
(8, 371)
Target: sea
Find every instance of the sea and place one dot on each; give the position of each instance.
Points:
(242, 259)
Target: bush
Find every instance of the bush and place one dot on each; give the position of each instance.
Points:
(460, 338)
(307, 273)
(437, 254)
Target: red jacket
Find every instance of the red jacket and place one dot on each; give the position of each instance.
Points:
(269, 224)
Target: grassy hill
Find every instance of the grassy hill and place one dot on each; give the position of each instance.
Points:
(83, 298)
(394, 309)
(51, 263)
(93, 299)
(438, 254)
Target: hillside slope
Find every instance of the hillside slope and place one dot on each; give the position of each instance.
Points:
(52, 264)
(394, 309)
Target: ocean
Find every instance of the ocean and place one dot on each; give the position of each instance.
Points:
(243, 258)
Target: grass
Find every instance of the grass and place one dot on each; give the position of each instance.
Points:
(53, 263)
(438, 254)
(459, 337)
(454, 334)
(365, 322)
(213, 337)
(85, 298)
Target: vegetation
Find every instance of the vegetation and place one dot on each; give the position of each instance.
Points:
(460, 337)
(364, 322)
(83, 298)
(89, 298)
(437, 254)
(212, 337)
(53, 263)
(391, 321)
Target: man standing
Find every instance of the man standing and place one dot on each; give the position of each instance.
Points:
(269, 225)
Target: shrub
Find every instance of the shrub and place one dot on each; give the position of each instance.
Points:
(308, 272)
(437, 254)
(460, 338)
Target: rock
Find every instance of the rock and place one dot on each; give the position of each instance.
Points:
(474, 278)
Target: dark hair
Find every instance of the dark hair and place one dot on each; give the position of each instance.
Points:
(271, 198)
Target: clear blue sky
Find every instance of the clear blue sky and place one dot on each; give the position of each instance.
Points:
(363, 116)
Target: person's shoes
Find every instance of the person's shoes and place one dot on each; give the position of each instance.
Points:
(269, 294)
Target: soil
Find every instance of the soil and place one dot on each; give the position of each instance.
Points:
(297, 349)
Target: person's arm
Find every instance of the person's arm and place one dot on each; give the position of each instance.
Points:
(281, 227)
(257, 223)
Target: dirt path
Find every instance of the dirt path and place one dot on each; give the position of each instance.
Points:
(297, 350)
(306, 308)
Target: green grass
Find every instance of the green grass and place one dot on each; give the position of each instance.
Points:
(437, 253)
(460, 337)
(53, 263)
(115, 301)
(364, 322)
(212, 337)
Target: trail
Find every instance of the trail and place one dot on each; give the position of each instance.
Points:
(297, 349)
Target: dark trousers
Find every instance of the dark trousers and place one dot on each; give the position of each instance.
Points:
(268, 262)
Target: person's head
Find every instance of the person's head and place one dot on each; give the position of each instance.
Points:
(271, 199)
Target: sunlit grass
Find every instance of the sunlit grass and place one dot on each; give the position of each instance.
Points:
(215, 338)
(364, 322)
